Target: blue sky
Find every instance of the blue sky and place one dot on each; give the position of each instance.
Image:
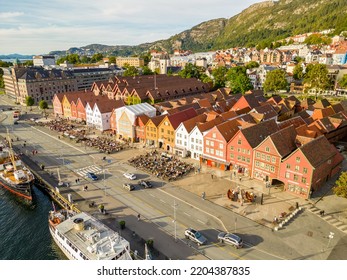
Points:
(38, 27)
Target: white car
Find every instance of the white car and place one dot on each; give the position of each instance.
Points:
(129, 176)
(231, 239)
(195, 236)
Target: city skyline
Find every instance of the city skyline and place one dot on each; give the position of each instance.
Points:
(39, 27)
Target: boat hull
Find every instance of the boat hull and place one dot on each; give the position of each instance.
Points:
(23, 191)
(58, 242)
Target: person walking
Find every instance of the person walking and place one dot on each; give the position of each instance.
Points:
(138, 217)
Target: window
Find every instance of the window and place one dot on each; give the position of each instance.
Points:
(288, 166)
(207, 150)
(220, 146)
(273, 159)
(287, 175)
(212, 144)
(214, 135)
(221, 153)
(257, 155)
(212, 151)
(296, 177)
(303, 180)
(268, 158)
(297, 159)
(207, 142)
(239, 142)
(231, 148)
(305, 170)
(192, 139)
(217, 152)
(267, 149)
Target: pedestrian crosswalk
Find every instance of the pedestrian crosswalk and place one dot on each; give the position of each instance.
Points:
(91, 168)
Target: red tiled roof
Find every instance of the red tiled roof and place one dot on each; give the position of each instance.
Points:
(326, 151)
(181, 116)
(284, 140)
(296, 122)
(257, 133)
(228, 129)
(191, 123)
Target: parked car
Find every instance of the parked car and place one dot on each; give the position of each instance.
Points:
(128, 187)
(195, 236)
(231, 239)
(129, 176)
(92, 176)
(145, 184)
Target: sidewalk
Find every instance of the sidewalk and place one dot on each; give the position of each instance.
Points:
(275, 200)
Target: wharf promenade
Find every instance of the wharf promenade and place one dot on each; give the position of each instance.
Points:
(136, 232)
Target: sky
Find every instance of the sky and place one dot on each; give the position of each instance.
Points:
(36, 27)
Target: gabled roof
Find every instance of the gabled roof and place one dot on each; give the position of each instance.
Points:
(228, 129)
(257, 133)
(157, 119)
(107, 106)
(266, 110)
(209, 124)
(275, 98)
(324, 103)
(296, 122)
(229, 115)
(337, 107)
(143, 118)
(284, 140)
(250, 99)
(181, 116)
(326, 151)
(59, 96)
(191, 123)
(320, 113)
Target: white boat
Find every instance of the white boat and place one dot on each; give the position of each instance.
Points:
(82, 237)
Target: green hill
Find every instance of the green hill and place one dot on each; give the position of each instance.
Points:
(265, 21)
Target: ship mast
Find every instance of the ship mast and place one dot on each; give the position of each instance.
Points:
(11, 151)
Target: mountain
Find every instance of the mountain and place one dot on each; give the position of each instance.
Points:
(265, 21)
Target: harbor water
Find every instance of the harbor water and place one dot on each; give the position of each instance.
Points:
(24, 229)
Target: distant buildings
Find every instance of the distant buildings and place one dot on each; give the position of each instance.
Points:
(131, 61)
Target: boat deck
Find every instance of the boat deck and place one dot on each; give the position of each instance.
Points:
(94, 240)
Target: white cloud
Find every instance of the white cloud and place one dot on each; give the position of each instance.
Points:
(10, 15)
(42, 26)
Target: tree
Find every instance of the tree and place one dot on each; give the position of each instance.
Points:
(316, 77)
(252, 64)
(189, 71)
(131, 71)
(343, 81)
(238, 80)
(219, 76)
(112, 59)
(317, 39)
(43, 105)
(275, 81)
(298, 72)
(28, 63)
(341, 185)
(147, 71)
(29, 101)
(96, 57)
